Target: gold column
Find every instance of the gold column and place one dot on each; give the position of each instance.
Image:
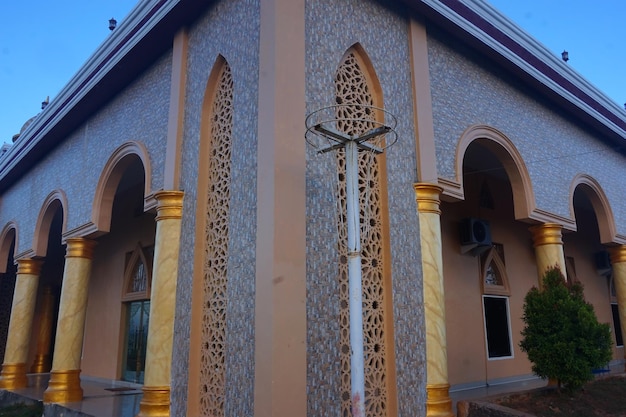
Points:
(43, 358)
(156, 390)
(548, 243)
(438, 403)
(64, 384)
(618, 260)
(25, 296)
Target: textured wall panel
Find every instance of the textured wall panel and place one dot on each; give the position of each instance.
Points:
(332, 28)
(231, 29)
(555, 147)
(139, 113)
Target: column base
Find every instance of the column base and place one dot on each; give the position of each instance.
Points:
(13, 376)
(41, 364)
(64, 387)
(438, 402)
(155, 402)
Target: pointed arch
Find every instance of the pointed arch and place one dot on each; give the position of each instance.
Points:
(356, 87)
(8, 236)
(364, 79)
(210, 281)
(506, 152)
(110, 178)
(56, 200)
(137, 276)
(494, 279)
(600, 203)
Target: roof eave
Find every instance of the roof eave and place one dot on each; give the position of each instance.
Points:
(526, 55)
(125, 53)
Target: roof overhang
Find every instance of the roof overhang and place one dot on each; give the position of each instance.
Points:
(147, 32)
(141, 38)
(510, 46)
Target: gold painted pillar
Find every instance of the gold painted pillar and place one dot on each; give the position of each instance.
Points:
(64, 384)
(156, 389)
(438, 403)
(43, 358)
(25, 296)
(548, 243)
(618, 260)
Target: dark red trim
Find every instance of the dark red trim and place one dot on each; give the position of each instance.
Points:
(506, 41)
(96, 70)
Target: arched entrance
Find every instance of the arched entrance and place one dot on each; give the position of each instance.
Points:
(489, 262)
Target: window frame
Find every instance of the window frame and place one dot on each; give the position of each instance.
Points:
(509, 329)
(492, 256)
(138, 254)
(617, 327)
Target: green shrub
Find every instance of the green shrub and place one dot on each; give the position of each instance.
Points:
(562, 336)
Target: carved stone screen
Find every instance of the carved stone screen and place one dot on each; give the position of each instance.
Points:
(216, 248)
(352, 88)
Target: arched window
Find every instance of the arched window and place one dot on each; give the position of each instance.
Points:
(136, 299)
(355, 88)
(495, 288)
(494, 277)
(215, 273)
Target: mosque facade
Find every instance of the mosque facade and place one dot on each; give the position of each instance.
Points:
(164, 222)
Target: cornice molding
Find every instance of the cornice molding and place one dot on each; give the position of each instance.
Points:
(490, 27)
(139, 22)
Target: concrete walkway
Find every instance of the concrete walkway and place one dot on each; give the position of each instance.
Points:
(616, 368)
(101, 398)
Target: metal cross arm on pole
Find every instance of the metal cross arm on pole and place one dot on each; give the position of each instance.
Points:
(323, 132)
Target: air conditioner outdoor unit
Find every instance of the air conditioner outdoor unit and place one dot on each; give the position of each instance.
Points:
(603, 262)
(475, 236)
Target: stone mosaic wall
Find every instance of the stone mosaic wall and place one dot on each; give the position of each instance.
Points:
(139, 113)
(466, 90)
(332, 28)
(231, 29)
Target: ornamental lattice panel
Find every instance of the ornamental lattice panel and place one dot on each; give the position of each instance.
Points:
(216, 249)
(352, 88)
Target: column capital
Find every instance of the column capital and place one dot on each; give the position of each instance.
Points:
(427, 197)
(547, 234)
(29, 266)
(169, 204)
(617, 254)
(79, 247)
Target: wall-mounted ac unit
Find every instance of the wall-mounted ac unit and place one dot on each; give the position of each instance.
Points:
(603, 262)
(475, 236)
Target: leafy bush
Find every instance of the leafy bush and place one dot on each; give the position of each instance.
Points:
(562, 336)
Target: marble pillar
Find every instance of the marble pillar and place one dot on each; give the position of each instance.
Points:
(548, 243)
(43, 357)
(25, 296)
(156, 390)
(438, 403)
(64, 385)
(618, 261)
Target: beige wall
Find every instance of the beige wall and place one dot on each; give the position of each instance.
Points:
(467, 352)
(582, 246)
(105, 322)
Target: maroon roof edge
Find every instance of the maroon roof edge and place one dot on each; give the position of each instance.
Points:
(505, 40)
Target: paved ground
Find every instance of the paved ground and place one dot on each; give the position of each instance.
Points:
(100, 398)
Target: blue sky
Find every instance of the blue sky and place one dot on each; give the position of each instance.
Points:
(591, 31)
(44, 43)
